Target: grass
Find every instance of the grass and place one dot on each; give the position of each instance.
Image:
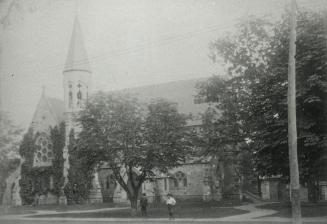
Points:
(182, 210)
(28, 209)
(16, 210)
(307, 209)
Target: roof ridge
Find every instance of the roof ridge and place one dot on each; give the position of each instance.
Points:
(160, 84)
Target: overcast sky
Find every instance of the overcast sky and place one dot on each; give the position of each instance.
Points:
(129, 43)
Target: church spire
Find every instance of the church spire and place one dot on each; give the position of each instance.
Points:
(77, 59)
(43, 91)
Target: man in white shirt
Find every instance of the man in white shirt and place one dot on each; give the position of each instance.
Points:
(171, 202)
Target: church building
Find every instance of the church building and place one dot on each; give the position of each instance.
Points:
(196, 179)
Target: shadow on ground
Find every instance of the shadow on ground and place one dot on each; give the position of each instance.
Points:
(308, 209)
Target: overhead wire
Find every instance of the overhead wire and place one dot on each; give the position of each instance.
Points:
(161, 42)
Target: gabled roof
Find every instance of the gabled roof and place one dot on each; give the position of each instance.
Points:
(77, 59)
(49, 112)
(182, 92)
(58, 108)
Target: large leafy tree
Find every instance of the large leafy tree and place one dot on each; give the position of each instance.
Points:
(10, 136)
(252, 99)
(133, 140)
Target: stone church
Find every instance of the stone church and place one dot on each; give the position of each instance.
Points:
(197, 179)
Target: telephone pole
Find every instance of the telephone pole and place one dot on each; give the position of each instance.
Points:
(292, 133)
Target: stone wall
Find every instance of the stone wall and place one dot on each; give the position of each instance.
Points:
(186, 182)
(278, 190)
(194, 188)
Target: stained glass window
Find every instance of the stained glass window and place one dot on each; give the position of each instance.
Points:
(43, 151)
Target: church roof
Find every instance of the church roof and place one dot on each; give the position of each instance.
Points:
(49, 112)
(182, 92)
(57, 107)
(77, 59)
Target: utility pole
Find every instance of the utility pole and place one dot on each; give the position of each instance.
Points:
(292, 133)
(1, 68)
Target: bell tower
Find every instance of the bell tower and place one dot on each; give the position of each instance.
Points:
(76, 81)
(77, 72)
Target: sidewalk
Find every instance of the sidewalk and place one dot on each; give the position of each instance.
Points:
(259, 215)
(254, 215)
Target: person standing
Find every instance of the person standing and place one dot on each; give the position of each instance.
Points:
(36, 199)
(144, 204)
(171, 202)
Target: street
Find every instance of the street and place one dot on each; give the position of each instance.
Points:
(137, 221)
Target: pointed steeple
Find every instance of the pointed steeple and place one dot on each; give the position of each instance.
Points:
(77, 59)
(43, 91)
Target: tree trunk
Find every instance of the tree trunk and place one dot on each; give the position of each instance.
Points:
(133, 206)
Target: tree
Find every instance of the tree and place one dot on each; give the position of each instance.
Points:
(57, 137)
(32, 176)
(132, 140)
(9, 141)
(80, 173)
(253, 97)
(26, 151)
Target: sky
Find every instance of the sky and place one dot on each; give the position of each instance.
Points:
(129, 42)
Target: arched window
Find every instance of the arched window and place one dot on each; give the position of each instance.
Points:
(185, 182)
(173, 183)
(70, 96)
(181, 179)
(70, 99)
(44, 151)
(79, 94)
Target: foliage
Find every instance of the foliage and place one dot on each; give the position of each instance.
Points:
(252, 100)
(80, 174)
(9, 141)
(26, 150)
(57, 136)
(36, 180)
(130, 139)
(12, 8)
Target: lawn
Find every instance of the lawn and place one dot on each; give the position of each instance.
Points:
(183, 210)
(307, 209)
(28, 209)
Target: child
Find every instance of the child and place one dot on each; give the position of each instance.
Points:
(144, 204)
(171, 202)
